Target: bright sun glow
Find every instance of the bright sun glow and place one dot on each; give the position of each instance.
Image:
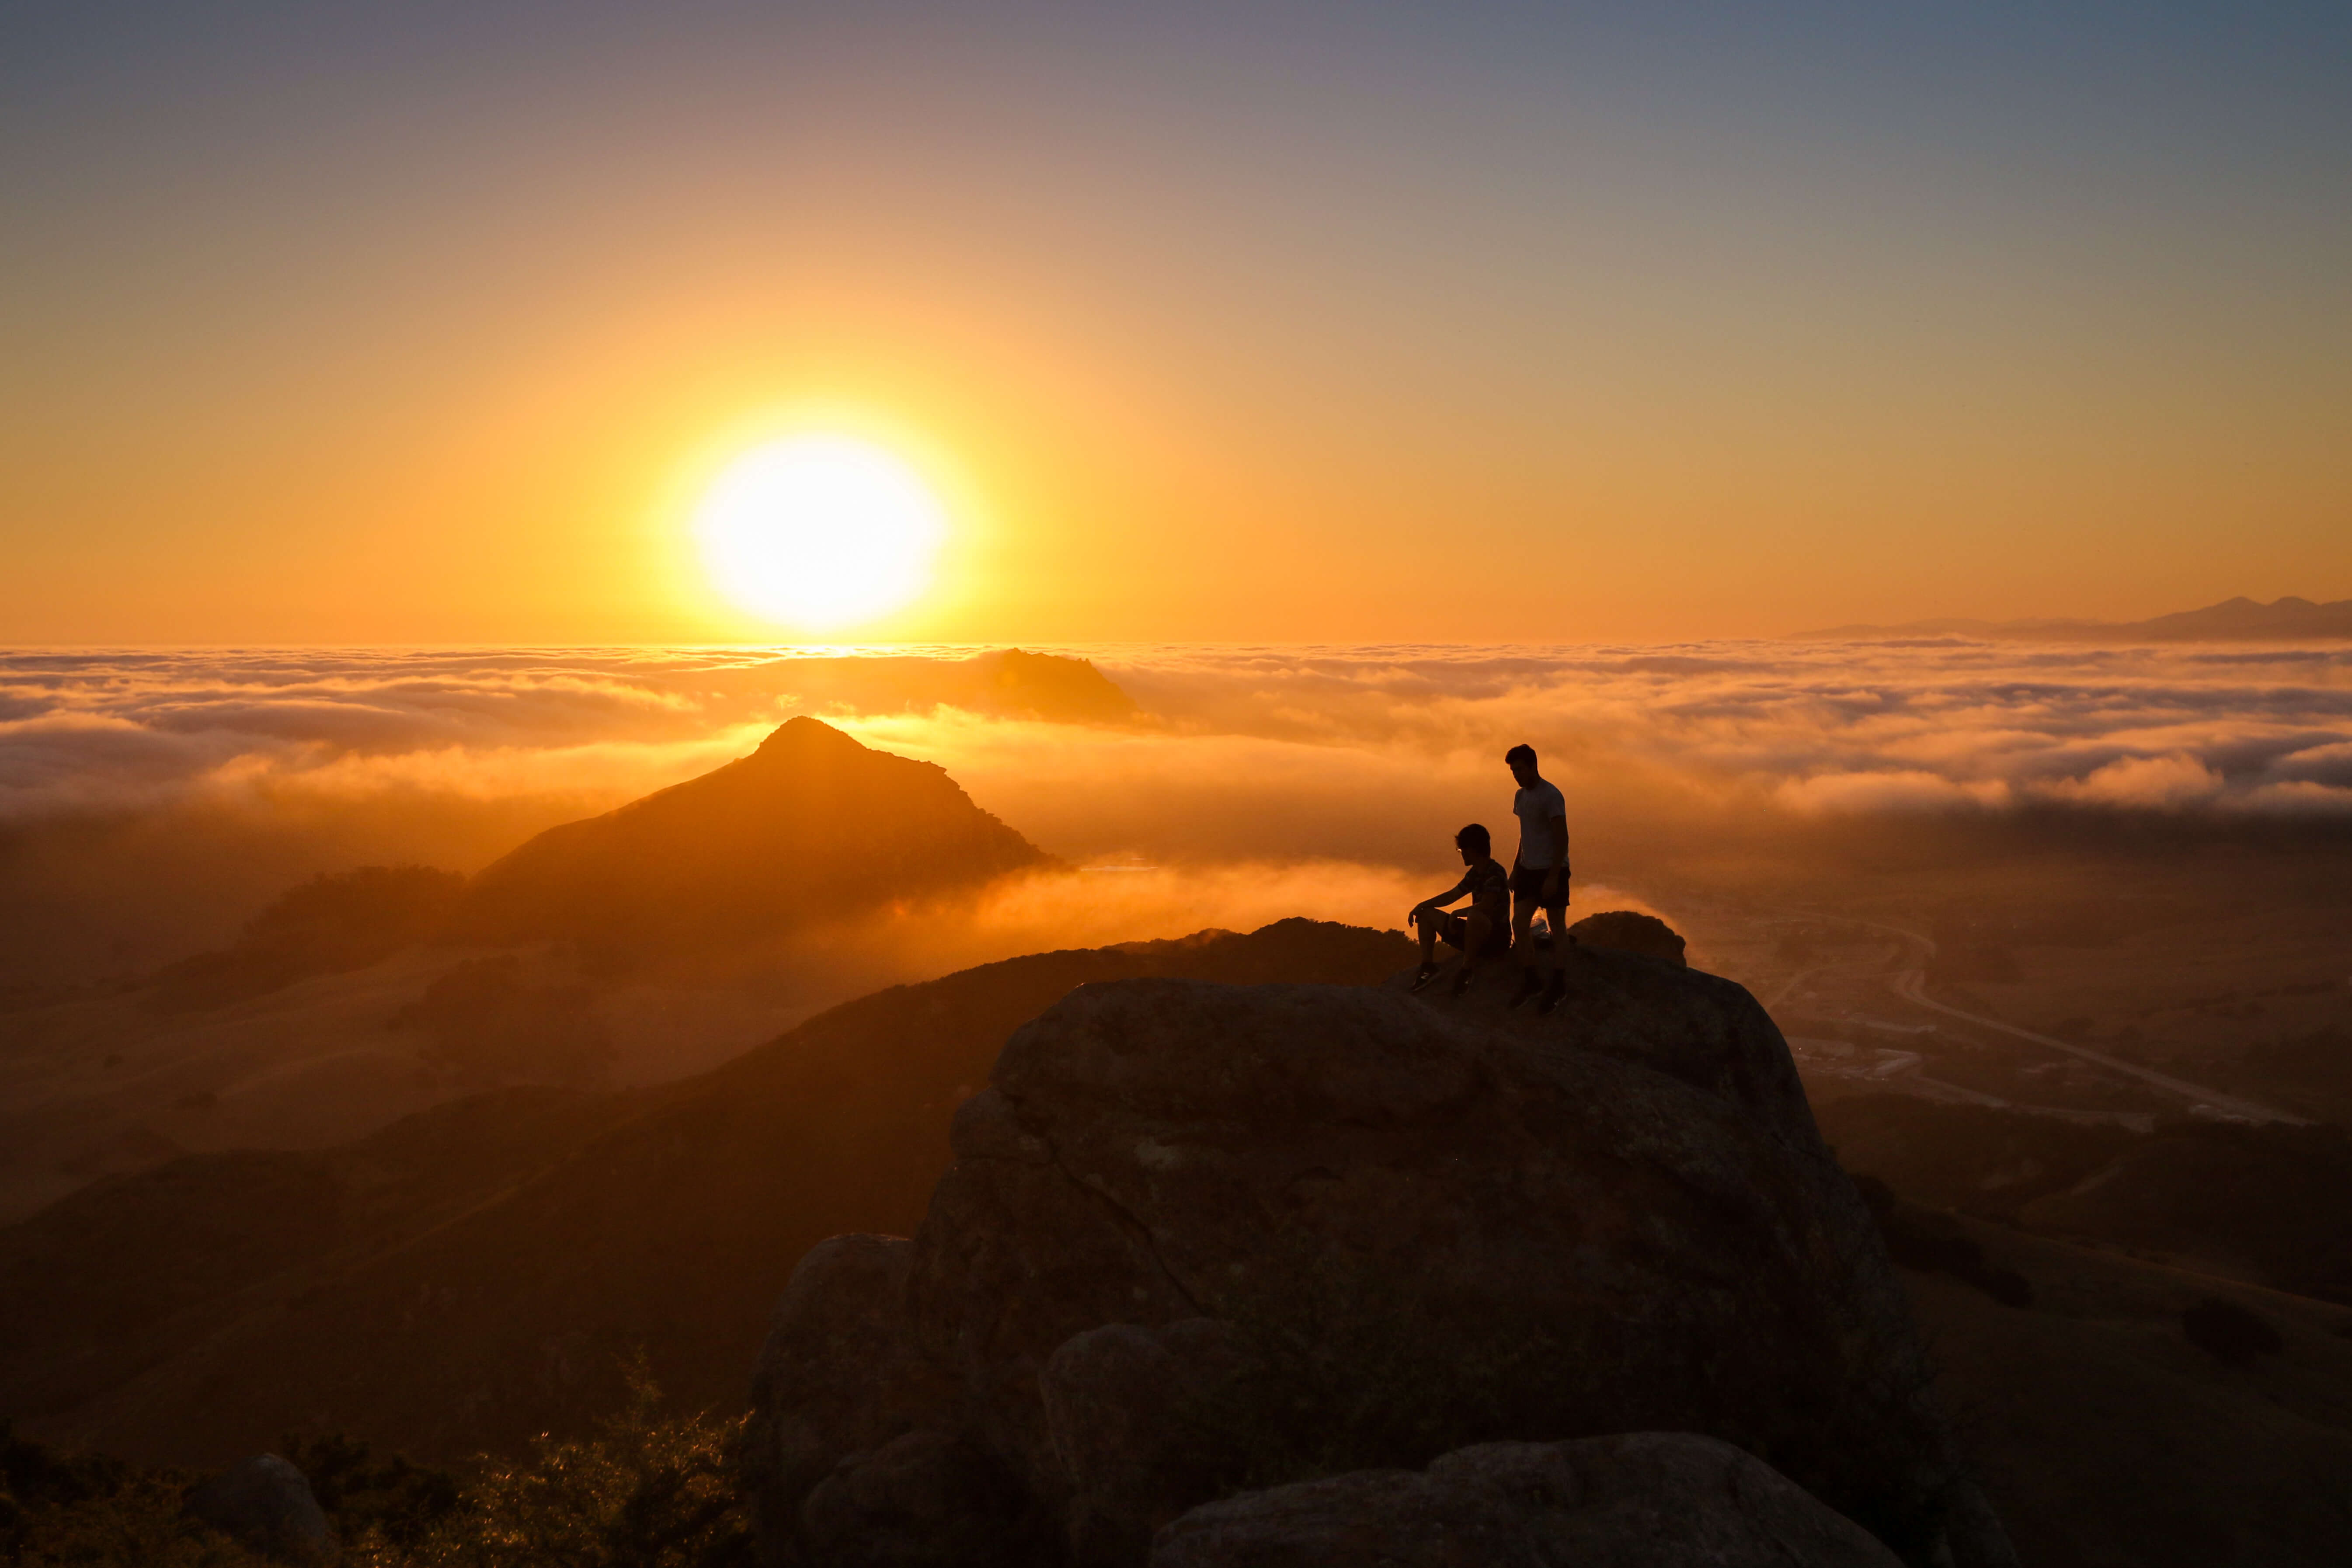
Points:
(819, 532)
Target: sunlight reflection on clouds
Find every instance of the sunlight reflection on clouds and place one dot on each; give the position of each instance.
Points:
(1267, 741)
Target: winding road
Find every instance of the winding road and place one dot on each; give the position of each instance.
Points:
(1909, 982)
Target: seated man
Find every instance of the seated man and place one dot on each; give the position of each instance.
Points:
(1483, 928)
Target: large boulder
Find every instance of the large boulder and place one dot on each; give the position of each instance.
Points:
(1202, 1239)
(1647, 1500)
(839, 1375)
(1629, 930)
(266, 1503)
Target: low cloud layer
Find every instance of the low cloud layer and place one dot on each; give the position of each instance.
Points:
(1248, 761)
(1816, 727)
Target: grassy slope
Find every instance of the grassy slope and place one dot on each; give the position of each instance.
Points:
(2107, 1438)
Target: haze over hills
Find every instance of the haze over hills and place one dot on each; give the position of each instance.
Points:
(2239, 619)
(109, 873)
(362, 996)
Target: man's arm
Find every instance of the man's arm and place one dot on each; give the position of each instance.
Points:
(1440, 901)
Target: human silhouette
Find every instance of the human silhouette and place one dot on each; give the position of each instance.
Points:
(1476, 930)
(1538, 877)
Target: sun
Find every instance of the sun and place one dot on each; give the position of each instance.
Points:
(819, 532)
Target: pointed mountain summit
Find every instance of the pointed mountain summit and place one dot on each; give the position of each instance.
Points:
(811, 823)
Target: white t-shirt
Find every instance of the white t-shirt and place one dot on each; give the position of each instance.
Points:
(1535, 807)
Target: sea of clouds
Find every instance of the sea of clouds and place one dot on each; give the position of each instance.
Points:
(1322, 780)
(1812, 727)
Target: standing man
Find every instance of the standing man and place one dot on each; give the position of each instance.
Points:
(1539, 876)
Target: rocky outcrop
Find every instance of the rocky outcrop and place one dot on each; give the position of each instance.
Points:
(1628, 930)
(1202, 1240)
(1648, 1500)
(840, 1373)
(266, 1503)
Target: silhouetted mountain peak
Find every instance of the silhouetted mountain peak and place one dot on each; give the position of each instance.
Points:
(811, 823)
(802, 738)
(802, 759)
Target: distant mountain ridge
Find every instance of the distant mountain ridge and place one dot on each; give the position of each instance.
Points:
(2239, 619)
(1009, 683)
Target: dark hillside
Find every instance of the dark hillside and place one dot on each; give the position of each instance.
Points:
(2105, 1435)
(331, 924)
(125, 1276)
(474, 1275)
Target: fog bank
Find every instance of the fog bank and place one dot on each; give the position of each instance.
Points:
(150, 800)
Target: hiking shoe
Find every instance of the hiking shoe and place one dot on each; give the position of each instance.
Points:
(1461, 983)
(1528, 986)
(1422, 976)
(1554, 995)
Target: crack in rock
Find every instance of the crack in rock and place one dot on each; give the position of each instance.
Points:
(1125, 1219)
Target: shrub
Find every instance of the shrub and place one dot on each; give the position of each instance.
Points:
(1935, 1244)
(85, 1510)
(649, 1490)
(2228, 1331)
(391, 1499)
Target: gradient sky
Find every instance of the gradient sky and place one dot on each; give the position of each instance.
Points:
(1473, 322)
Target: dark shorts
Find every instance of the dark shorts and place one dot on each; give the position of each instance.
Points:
(1454, 930)
(1528, 886)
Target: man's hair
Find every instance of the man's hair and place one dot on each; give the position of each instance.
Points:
(1519, 754)
(1476, 837)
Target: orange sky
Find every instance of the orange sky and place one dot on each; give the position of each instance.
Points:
(1220, 331)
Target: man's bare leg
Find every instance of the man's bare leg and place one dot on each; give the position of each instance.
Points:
(1428, 969)
(1556, 915)
(1523, 948)
(1475, 928)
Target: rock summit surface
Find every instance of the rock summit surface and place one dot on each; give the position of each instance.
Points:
(1647, 1500)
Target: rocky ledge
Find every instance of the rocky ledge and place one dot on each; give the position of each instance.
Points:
(1233, 1274)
